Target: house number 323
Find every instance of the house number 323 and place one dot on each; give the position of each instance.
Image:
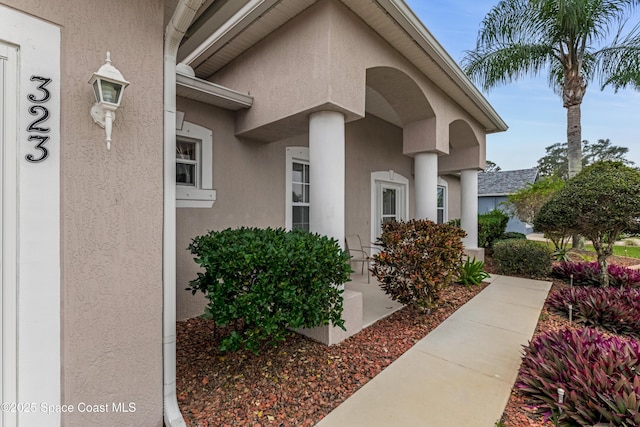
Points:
(37, 108)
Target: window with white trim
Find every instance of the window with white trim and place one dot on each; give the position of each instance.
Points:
(297, 188)
(300, 195)
(442, 201)
(188, 161)
(194, 166)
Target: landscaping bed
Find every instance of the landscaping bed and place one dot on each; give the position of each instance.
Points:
(298, 382)
(522, 411)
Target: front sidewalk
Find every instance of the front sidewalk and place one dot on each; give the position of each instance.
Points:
(462, 373)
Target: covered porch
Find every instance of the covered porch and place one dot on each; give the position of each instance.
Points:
(376, 304)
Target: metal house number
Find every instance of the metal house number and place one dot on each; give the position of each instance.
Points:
(41, 114)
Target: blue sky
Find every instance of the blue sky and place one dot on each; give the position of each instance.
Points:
(533, 112)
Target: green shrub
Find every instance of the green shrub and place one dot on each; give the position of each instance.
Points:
(418, 259)
(522, 258)
(599, 203)
(513, 235)
(491, 226)
(270, 281)
(472, 272)
(456, 222)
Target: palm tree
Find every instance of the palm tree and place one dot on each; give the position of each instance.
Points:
(571, 40)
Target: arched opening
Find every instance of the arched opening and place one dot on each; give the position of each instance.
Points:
(395, 97)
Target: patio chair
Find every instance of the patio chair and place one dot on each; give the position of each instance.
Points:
(358, 253)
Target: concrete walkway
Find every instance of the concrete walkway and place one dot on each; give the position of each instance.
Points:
(461, 374)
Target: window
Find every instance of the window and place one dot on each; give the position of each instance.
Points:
(194, 167)
(390, 208)
(300, 195)
(187, 160)
(442, 201)
(297, 188)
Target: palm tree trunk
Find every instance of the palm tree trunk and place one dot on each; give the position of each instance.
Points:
(574, 154)
(574, 140)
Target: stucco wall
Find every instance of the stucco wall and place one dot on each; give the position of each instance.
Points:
(373, 145)
(111, 211)
(319, 60)
(249, 178)
(453, 196)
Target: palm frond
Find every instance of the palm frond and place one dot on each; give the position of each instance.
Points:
(504, 64)
(507, 22)
(619, 62)
(523, 37)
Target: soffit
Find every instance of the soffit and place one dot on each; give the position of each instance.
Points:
(392, 19)
(259, 19)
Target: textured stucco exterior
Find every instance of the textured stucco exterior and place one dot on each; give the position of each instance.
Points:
(111, 202)
(111, 211)
(323, 59)
(249, 179)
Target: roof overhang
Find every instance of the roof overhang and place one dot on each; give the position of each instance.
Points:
(212, 45)
(200, 90)
(450, 77)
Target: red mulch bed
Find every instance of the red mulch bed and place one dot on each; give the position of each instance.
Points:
(300, 381)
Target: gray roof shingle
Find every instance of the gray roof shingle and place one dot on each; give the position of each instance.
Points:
(505, 182)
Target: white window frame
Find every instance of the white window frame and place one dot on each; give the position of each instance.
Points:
(392, 179)
(202, 195)
(293, 154)
(196, 162)
(445, 209)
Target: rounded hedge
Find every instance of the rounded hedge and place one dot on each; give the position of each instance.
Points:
(269, 281)
(522, 258)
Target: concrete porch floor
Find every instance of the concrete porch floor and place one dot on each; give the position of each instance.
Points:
(376, 304)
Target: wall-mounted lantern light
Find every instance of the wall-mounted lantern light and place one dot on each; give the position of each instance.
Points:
(108, 85)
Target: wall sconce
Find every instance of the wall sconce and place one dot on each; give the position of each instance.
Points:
(108, 85)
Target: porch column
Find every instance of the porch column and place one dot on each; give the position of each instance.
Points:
(426, 180)
(327, 174)
(469, 207)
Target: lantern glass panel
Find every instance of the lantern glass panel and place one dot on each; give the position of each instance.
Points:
(96, 90)
(111, 91)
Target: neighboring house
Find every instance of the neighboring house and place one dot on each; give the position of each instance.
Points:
(494, 187)
(328, 115)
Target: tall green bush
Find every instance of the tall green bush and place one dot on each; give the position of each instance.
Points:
(526, 202)
(269, 281)
(522, 258)
(599, 203)
(491, 226)
(418, 259)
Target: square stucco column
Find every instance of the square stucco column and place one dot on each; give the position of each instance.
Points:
(426, 181)
(327, 174)
(469, 207)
